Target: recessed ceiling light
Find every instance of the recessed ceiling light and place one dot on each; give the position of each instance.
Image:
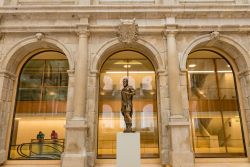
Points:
(127, 66)
(192, 65)
(128, 62)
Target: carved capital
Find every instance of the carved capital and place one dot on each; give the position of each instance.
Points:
(128, 31)
(83, 33)
(71, 73)
(82, 29)
(170, 33)
(39, 36)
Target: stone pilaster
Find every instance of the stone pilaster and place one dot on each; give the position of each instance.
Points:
(244, 78)
(92, 103)
(75, 153)
(164, 113)
(180, 149)
(70, 95)
(6, 90)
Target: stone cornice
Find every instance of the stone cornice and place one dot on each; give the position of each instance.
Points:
(111, 29)
(180, 11)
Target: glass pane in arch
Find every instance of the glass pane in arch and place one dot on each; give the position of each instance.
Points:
(141, 74)
(40, 109)
(213, 106)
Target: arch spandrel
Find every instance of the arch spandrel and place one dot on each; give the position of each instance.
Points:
(114, 45)
(221, 42)
(26, 47)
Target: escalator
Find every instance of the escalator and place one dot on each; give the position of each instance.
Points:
(48, 149)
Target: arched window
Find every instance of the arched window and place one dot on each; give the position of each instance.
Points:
(40, 109)
(141, 75)
(213, 106)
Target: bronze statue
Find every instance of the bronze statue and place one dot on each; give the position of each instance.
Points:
(127, 94)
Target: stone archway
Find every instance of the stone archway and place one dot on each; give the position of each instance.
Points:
(21, 51)
(107, 49)
(223, 43)
(115, 45)
(10, 69)
(237, 56)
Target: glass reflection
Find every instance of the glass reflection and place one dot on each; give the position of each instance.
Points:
(213, 105)
(141, 76)
(41, 100)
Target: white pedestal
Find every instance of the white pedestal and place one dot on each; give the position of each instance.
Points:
(128, 150)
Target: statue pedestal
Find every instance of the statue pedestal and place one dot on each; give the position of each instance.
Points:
(128, 150)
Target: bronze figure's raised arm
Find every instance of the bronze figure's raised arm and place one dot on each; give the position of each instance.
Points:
(127, 94)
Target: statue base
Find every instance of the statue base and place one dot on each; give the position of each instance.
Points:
(128, 150)
(128, 131)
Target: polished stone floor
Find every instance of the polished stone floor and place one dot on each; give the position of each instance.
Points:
(206, 162)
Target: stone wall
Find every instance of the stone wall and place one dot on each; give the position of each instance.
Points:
(74, 29)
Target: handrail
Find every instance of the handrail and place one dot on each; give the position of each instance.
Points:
(48, 149)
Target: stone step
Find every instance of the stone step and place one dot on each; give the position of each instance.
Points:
(199, 162)
(32, 163)
(222, 162)
(144, 163)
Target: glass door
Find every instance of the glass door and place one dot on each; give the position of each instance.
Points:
(141, 75)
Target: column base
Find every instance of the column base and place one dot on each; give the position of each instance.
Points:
(91, 159)
(183, 159)
(70, 160)
(180, 154)
(2, 156)
(75, 150)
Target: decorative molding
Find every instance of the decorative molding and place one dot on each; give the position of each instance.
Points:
(46, 2)
(128, 31)
(178, 120)
(123, 2)
(7, 74)
(39, 36)
(161, 72)
(83, 33)
(76, 123)
(82, 30)
(71, 73)
(170, 32)
(215, 35)
(244, 73)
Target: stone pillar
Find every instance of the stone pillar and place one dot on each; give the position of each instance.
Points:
(180, 153)
(70, 95)
(92, 103)
(6, 91)
(164, 113)
(76, 127)
(173, 76)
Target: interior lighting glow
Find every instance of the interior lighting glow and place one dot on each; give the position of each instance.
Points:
(127, 62)
(205, 72)
(127, 66)
(131, 72)
(192, 65)
(226, 71)
(198, 72)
